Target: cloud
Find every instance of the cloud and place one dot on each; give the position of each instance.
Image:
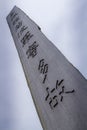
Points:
(64, 22)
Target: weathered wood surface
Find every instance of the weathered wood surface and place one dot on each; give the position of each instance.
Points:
(59, 91)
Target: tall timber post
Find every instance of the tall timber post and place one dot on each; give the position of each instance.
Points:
(58, 89)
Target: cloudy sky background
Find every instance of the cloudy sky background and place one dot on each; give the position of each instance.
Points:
(64, 22)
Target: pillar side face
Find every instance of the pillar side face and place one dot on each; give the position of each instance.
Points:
(58, 89)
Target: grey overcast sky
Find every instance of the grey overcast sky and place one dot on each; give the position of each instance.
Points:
(64, 22)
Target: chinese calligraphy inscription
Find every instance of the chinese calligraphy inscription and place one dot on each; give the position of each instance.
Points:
(55, 95)
(32, 50)
(43, 68)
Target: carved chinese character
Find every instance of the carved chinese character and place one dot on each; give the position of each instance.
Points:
(55, 95)
(16, 20)
(43, 68)
(32, 50)
(23, 28)
(58, 86)
(19, 24)
(26, 38)
(51, 97)
(62, 91)
(13, 15)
